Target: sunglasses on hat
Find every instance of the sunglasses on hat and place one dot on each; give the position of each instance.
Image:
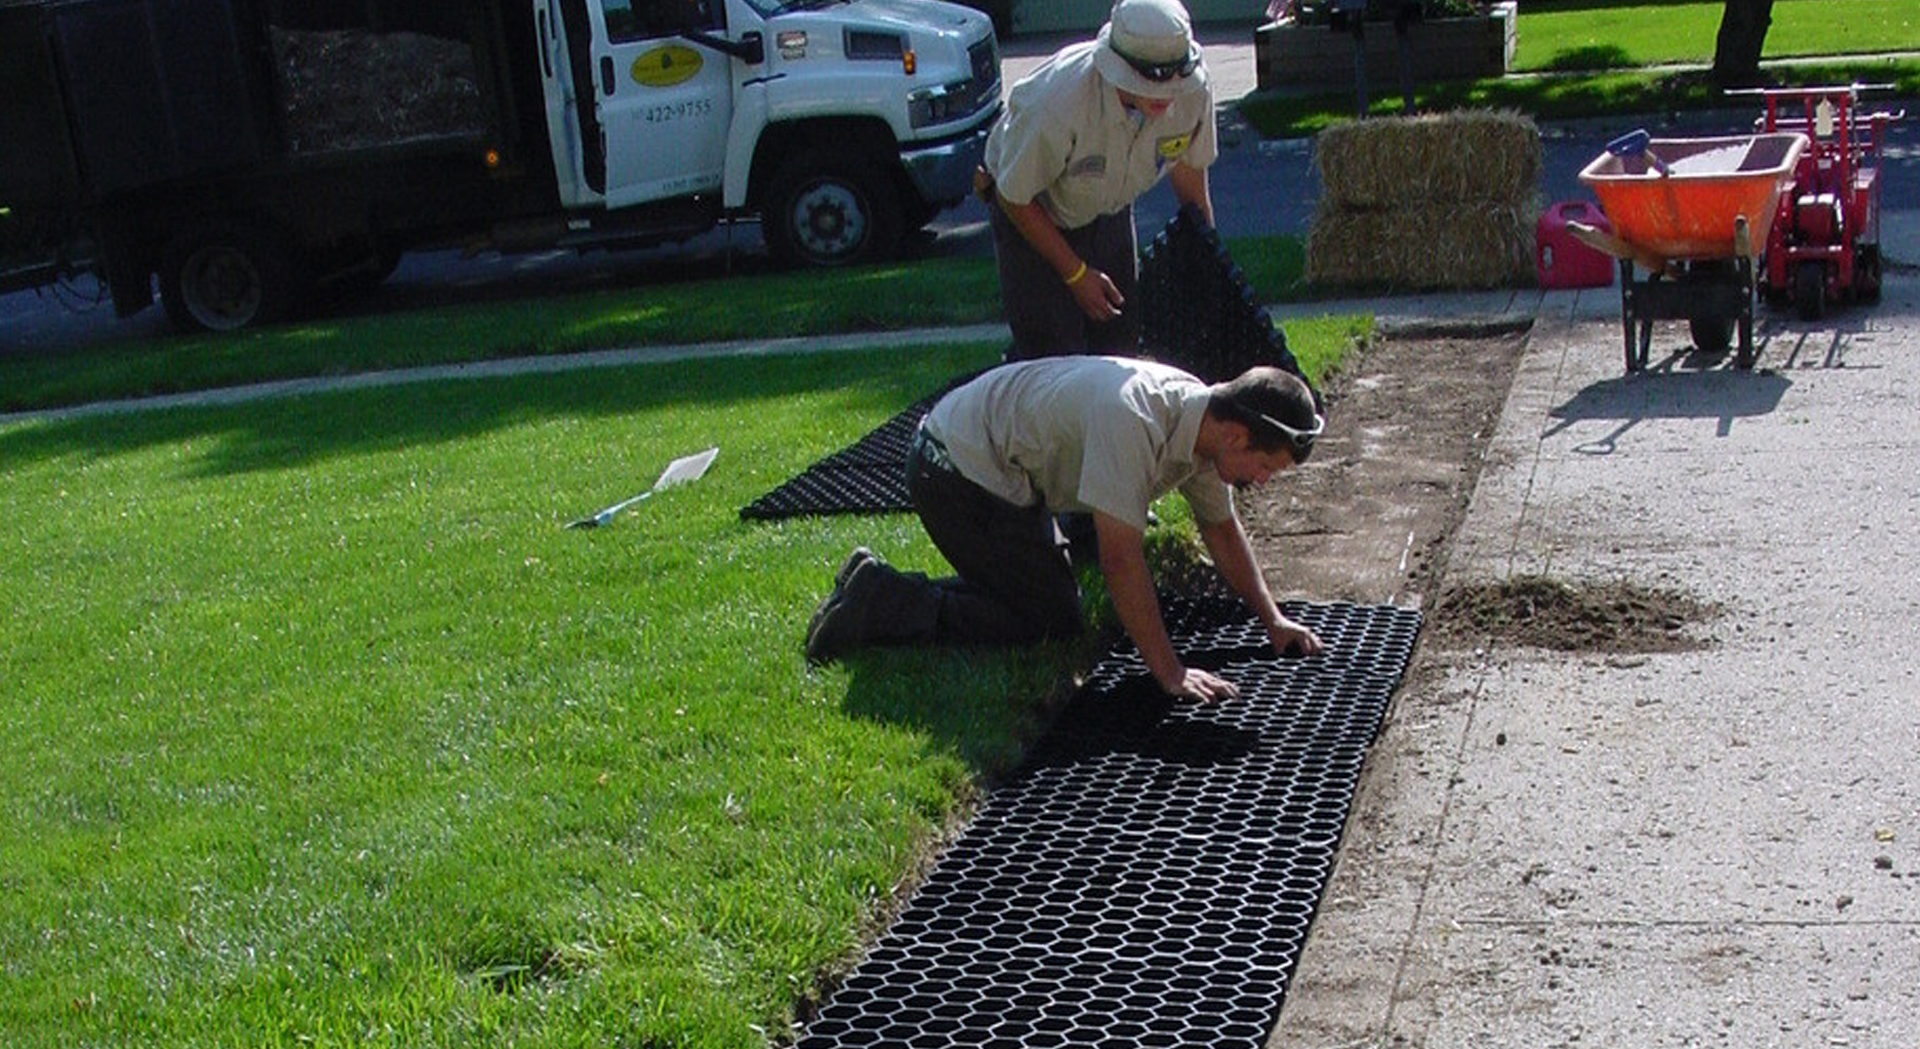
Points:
(1161, 72)
(1302, 440)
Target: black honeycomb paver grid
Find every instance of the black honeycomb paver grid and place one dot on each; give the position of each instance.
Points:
(867, 477)
(1197, 311)
(1148, 877)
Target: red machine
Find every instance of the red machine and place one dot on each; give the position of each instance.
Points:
(1825, 243)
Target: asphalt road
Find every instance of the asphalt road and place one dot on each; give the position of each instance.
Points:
(1260, 187)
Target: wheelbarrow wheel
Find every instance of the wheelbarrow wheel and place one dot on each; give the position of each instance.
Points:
(1711, 334)
(1810, 290)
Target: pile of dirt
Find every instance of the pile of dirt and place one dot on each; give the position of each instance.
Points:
(1540, 612)
(351, 89)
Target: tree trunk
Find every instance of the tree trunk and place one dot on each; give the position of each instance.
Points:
(1736, 51)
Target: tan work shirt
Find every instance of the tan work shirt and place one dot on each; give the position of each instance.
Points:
(1066, 141)
(1080, 434)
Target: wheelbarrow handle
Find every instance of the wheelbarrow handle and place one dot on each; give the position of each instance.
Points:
(1636, 143)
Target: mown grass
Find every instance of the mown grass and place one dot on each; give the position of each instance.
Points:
(923, 293)
(1618, 34)
(322, 731)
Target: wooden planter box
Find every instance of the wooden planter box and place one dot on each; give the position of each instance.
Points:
(1290, 55)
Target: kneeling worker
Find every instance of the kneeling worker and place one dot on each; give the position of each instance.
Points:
(997, 457)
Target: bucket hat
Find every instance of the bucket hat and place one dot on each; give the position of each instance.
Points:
(1147, 49)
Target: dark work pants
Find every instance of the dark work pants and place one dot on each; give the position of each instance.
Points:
(1045, 319)
(1014, 584)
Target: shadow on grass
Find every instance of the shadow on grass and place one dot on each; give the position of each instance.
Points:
(282, 433)
(1602, 93)
(1551, 6)
(988, 707)
(1594, 56)
(1000, 711)
(984, 706)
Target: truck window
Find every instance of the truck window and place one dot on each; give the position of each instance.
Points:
(630, 20)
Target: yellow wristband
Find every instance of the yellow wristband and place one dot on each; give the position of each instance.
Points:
(1077, 274)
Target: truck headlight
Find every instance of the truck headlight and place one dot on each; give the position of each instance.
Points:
(941, 105)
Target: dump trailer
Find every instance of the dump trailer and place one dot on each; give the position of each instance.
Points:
(239, 154)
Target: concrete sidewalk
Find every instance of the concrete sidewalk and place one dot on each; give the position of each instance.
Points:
(1714, 848)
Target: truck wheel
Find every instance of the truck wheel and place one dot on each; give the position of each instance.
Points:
(828, 211)
(226, 278)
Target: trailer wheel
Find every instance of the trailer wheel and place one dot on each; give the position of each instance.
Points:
(824, 210)
(1866, 273)
(1810, 289)
(225, 278)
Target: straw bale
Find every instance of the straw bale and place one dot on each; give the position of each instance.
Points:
(1390, 162)
(1458, 245)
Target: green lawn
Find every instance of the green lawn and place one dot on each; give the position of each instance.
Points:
(323, 731)
(922, 293)
(1580, 58)
(1614, 34)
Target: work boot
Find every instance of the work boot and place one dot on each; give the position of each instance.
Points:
(854, 560)
(858, 557)
(840, 625)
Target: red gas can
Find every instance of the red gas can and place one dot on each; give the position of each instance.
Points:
(1564, 262)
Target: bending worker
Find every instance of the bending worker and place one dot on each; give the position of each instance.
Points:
(1083, 135)
(997, 456)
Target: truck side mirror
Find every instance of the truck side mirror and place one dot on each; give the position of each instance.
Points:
(750, 48)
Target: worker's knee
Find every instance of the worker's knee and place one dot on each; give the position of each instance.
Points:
(1057, 618)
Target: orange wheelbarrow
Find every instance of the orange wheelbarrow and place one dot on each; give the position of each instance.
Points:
(1693, 213)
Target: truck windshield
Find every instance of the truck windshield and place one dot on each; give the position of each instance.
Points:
(769, 8)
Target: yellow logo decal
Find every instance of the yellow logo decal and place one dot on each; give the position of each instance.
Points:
(1174, 146)
(666, 65)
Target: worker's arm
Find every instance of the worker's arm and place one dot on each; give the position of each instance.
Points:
(1233, 557)
(1190, 186)
(1123, 563)
(1091, 288)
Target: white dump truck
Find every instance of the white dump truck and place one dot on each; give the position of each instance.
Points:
(245, 152)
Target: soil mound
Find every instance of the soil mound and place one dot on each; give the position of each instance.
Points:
(1540, 612)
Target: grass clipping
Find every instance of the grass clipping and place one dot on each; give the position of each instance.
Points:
(1433, 201)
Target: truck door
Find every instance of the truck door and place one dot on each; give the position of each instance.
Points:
(565, 34)
(664, 101)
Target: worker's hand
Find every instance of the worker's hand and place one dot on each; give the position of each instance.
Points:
(1097, 296)
(1292, 639)
(1200, 685)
